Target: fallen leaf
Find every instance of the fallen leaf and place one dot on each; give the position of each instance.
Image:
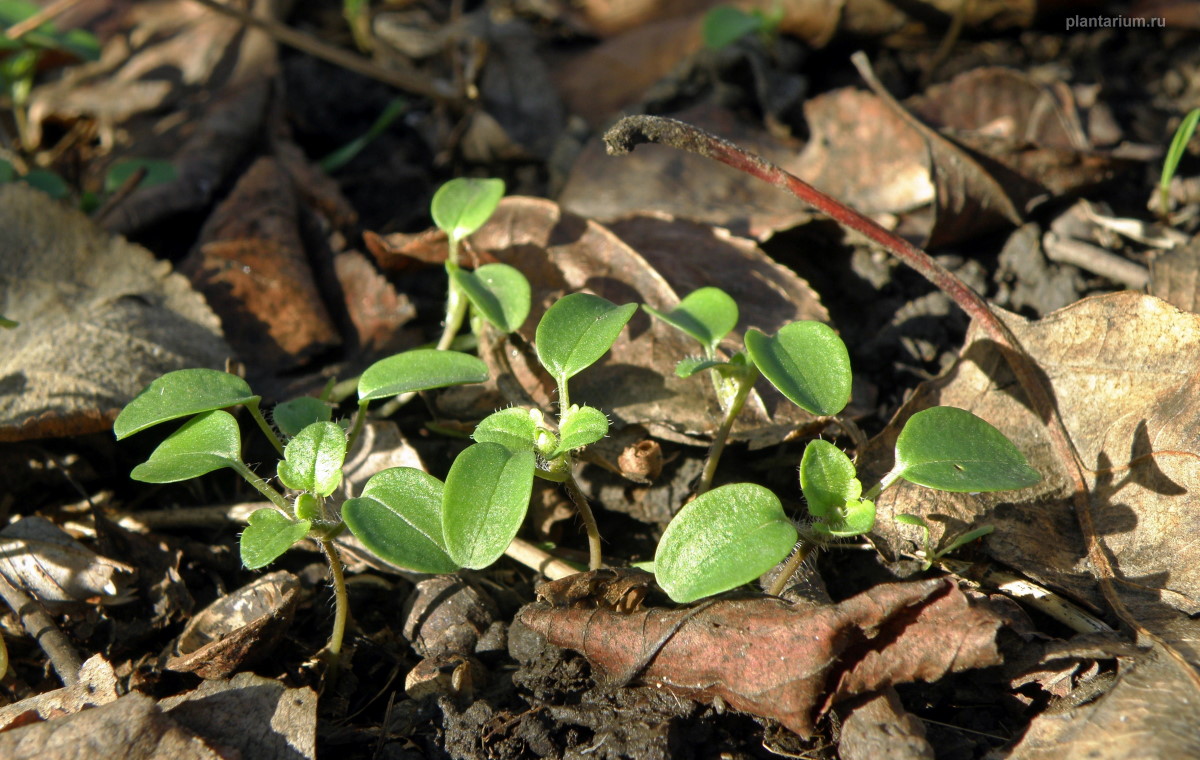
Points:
(768, 658)
(36, 555)
(97, 686)
(251, 264)
(376, 310)
(879, 727)
(562, 253)
(100, 318)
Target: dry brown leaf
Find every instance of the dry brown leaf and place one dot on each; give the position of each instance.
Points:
(658, 179)
(562, 253)
(1175, 276)
(97, 686)
(376, 310)
(879, 727)
(37, 556)
(769, 658)
(100, 318)
(251, 264)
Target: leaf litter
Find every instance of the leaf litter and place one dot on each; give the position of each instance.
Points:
(984, 149)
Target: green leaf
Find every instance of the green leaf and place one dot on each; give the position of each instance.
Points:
(581, 425)
(807, 362)
(827, 478)
(293, 416)
(724, 538)
(953, 450)
(966, 538)
(1179, 143)
(854, 518)
(180, 394)
(313, 459)
(419, 370)
(347, 152)
(693, 364)
(307, 507)
(515, 429)
(205, 443)
(9, 324)
(268, 536)
(576, 331)
(497, 291)
(707, 314)
(485, 501)
(463, 205)
(724, 25)
(399, 518)
(48, 182)
(158, 172)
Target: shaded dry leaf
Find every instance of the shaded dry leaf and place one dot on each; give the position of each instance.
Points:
(97, 686)
(1175, 276)
(658, 179)
(376, 310)
(251, 264)
(100, 318)
(37, 556)
(878, 727)
(234, 631)
(562, 253)
(771, 659)
(1150, 712)
(132, 728)
(255, 716)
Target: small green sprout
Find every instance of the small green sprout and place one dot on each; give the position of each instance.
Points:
(8, 324)
(929, 554)
(725, 24)
(1183, 135)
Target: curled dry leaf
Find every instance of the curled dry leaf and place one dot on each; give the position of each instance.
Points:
(251, 265)
(236, 629)
(36, 555)
(100, 318)
(562, 253)
(766, 657)
(97, 685)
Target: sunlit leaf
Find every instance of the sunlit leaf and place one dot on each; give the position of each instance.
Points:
(296, 414)
(497, 291)
(463, 205)
(206, 443)
(576, 331)
(807, 362)
(399, 518)
(581, 425)
(953, 450)
(707, 314)
(313, 459)
(419, 370)
(485, 500)
(725, 537)
(180, 394)
(514, 429)
(268, 536)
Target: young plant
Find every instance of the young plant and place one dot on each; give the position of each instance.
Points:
(725, 24)
(731, 535)
(929, 553)
(1183, 135)
(311, 468)
(806, 361)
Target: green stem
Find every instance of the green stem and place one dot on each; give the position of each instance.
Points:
(887, 481)
(804, 547)
(261, 486)
(256, 413)
(341, 601)
(745, 383)
(360, 418)
(564, 399)
(595, 558)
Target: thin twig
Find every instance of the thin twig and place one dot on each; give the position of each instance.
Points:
(63, 657)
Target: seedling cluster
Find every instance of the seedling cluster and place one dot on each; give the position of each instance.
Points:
(725, 537)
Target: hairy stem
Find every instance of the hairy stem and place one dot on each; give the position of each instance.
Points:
(262, 487)
(341, 600)
(256, 413)
(744, 386)
(804, 547)
(595, 557)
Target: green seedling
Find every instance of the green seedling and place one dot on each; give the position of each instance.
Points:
(929, 554)
(705, 548)
(1183, 135)
(310, 471)
(725, 24)
(805, 360)
(345, 154)
(8, 324)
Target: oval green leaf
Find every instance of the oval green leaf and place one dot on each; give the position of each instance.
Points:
(725, 537)
(399, 518)
(293, 416)
(179, 394)
(576, 331)
(693, 364)
(724, 25)
(827, 478)
(707, 314)
(497, 291)
(313, 460)
(807, 362)
(953, 450)
(463, 205)
(419, 370)
(485, 501)
(853, 518)
(514, 429)
(205, 443)
(268, 536)
(581, 425)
